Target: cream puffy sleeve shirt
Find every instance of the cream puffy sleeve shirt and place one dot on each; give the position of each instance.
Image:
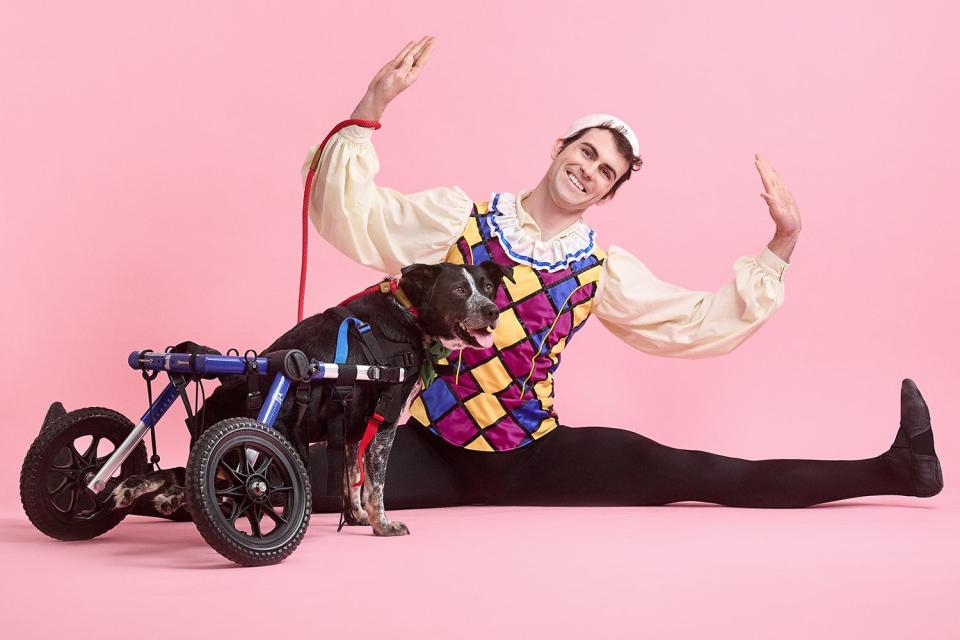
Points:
(386, 230)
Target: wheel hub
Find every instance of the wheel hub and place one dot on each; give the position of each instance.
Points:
(257, 489)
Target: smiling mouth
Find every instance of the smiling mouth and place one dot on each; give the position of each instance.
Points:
(481, 337)
(575, 182)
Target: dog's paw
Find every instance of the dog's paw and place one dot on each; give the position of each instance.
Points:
(133, 487)
(391, 528)
(169, 501)
(355, 518)
(123, 496)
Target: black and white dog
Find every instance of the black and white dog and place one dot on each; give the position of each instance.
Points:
(454, 305)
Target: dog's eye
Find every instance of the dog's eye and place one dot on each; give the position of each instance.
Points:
(488, 288)
(459, 291)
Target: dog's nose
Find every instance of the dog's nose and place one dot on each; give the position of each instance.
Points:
(489, 314)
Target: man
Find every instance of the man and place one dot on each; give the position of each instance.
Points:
(485, 430)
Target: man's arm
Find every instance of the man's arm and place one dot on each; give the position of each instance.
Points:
(376, 226)
(663, 319)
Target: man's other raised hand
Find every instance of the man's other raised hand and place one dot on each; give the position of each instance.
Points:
(393, 77)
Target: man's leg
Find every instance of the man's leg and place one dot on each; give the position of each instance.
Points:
(602, 466)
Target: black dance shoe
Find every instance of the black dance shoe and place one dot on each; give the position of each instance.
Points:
(916, 436)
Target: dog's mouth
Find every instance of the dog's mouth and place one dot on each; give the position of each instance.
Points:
(478, 337)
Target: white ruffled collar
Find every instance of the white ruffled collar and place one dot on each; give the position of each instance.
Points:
(550, 255)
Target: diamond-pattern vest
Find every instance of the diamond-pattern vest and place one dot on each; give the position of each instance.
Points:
(502, 397)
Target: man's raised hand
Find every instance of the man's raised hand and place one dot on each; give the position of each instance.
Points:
(395, 76)
(783, 210)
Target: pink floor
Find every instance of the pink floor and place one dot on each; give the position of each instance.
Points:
(873, 567)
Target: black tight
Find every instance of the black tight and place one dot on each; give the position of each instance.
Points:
(594, 466)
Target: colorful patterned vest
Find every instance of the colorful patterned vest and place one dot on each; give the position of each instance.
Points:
(501, 398)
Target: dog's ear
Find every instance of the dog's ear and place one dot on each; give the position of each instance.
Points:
(416, 280)
(497, 272)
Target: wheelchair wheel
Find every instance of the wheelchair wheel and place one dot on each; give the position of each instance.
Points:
(248, 492)
(61, 461)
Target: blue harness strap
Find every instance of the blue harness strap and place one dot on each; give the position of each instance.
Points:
(342, 346)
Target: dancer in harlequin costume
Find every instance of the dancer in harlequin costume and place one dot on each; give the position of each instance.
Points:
(485, 429)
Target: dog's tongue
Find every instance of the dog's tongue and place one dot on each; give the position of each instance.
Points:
(483, 337)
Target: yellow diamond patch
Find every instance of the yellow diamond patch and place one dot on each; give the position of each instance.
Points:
(509, 330)
(542, 390)
(557, 348)
(581, 312)
(548, 425)
(454, 256)
(485, 409)
(526, 282)
(472, 233)
(590, 275)
(492, 376)
(419, 412)
(478, 444)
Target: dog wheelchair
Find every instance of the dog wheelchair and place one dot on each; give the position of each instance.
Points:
(246, 486)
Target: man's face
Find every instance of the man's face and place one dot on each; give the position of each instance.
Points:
(583, 173)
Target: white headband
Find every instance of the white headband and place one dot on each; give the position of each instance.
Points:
(604, 119)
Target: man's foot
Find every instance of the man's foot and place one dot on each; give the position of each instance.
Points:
(915, 438)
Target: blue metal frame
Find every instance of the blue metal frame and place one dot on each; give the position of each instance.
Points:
(278, 391)
(181, 363)
(268, 413)
(202, 364)
(206, 364)
(164, 401)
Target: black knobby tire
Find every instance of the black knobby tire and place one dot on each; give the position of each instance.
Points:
(251, 513)
(54, 474)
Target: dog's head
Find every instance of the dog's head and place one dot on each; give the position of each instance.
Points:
(455, 301)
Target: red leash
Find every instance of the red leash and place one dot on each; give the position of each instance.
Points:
(371, 289)
(373, 424)
(307, 188)
(391, 286)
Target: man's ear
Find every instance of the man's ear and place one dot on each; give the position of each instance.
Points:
(497, 272)
(557, 148)
(416, 280)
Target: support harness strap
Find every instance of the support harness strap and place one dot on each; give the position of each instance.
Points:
(388, 408)
(342, 343)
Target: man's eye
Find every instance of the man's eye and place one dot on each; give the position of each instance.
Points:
(585, 153)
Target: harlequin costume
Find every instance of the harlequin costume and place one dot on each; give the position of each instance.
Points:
(487, 430)
(501, 398)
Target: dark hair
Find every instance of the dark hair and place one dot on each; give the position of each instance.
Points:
(623, 146)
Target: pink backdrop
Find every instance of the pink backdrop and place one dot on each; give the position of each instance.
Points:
(151, 192)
